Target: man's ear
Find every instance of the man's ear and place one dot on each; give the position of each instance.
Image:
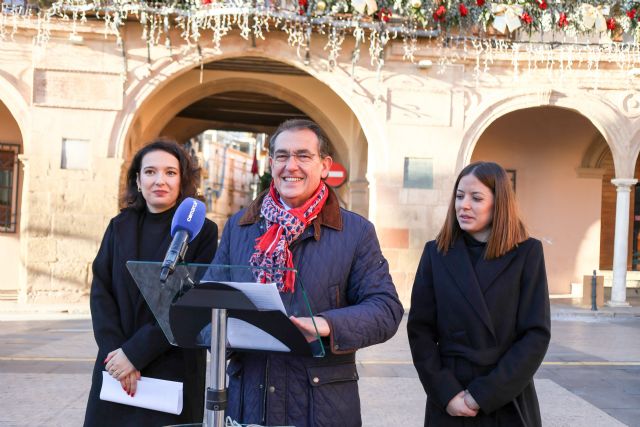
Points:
(326, 165)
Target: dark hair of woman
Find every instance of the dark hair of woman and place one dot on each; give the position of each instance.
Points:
(507, 229)
(189, 172)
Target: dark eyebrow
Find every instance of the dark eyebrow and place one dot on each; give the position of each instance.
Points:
(472, 192)
(154, 167)
(301, 151)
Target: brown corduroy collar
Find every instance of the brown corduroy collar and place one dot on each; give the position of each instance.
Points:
(329, 215)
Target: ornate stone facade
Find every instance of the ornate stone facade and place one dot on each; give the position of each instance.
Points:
(119, 97)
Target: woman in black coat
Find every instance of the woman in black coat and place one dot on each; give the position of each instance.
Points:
(130, 342)
(479, 322)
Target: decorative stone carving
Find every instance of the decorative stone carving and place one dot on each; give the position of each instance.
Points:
(472, 98)
(631, 104)
(544, 96)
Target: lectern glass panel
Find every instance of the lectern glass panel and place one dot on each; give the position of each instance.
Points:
(258, 315)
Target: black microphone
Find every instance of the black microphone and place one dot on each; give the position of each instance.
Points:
(185, 226)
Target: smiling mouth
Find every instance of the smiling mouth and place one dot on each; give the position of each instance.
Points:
(291, 179)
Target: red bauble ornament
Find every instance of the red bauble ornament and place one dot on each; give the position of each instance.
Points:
(562, 20)
(439, 14)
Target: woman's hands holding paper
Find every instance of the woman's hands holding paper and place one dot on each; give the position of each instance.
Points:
(120, 368)
(130, 383)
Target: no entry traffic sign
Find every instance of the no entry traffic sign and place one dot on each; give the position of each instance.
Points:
(337, 175)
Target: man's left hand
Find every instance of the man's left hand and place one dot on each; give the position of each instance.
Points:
(305, 324)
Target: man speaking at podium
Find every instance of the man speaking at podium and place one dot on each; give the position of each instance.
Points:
(299, 224)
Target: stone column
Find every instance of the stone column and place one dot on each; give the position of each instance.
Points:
(24, 229)
(621, 242)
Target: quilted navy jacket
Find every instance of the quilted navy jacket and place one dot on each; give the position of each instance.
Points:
(347, 281)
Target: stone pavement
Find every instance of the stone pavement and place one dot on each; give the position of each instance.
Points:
(571, 308)
(590, 377)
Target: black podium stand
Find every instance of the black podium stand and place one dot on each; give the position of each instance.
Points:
(193, 307)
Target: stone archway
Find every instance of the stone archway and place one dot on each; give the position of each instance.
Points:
(12, 181)
(15, 103)
(306, 93)
(543, 148)
(604, 117)
(609, 116)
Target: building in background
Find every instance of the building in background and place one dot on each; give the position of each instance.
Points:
(228, 182)
(565, 123)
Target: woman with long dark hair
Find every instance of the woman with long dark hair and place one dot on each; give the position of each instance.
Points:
(130, 342)
(479, 323)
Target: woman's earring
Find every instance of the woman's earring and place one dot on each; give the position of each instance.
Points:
(139, 189)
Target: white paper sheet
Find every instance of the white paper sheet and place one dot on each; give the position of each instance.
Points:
(264, 296)
(152, 393)
(241, 334)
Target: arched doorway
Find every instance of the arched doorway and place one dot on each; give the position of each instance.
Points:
(560, 199)
(10, 201)
(253, 94)
(226, 131)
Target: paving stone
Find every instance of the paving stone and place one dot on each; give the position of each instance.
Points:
(45, 370)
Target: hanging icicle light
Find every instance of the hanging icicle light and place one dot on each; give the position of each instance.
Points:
(557, 33)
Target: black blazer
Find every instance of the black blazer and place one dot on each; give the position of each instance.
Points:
(122, 318)
(485, 329)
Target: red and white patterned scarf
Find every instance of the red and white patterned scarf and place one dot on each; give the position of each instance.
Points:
(283, 227)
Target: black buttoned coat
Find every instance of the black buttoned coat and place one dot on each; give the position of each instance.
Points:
(485, 329)
(122, 319)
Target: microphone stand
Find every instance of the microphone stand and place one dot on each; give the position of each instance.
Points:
(216, 400)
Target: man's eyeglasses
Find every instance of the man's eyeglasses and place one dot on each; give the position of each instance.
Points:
(303, 158)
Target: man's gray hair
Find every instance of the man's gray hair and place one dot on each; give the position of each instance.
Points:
(300, 124)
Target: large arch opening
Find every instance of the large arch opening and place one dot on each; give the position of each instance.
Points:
(244, 99)
(11, 144)
(560, 197)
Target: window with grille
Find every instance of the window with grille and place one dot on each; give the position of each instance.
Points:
(8, 187)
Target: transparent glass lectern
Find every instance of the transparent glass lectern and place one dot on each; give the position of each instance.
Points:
(226, 307)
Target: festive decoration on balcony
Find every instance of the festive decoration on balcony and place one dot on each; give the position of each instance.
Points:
(475, 27)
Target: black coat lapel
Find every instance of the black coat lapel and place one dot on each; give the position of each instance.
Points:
(458, 264)
(488, 270)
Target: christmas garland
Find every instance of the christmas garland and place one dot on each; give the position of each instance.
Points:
(619, 20)
(596, 27)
